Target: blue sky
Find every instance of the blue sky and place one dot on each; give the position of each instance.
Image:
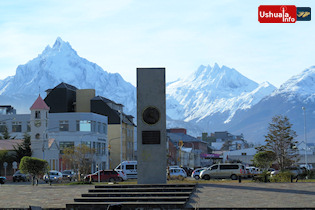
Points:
(180, 35)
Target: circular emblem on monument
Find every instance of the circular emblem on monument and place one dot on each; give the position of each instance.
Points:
(151, 115)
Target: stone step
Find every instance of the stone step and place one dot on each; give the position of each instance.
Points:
(133, 199)
(144, 185)
(135, 194)
(126, 205)
(170, 189)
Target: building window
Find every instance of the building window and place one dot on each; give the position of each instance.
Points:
(37, 114)
(16, 126)
(99, 127)
(103, 148)
(84, 125)
(93, 126)
(28, 128)
(98, 148)
(244, 154)
(65, 144)
(87, 143)
(63, 125)
(3, 127)
(104, 128)
(37, 136)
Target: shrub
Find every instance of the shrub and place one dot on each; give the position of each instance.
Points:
(283, 176)
(308, 173)
(311, 174)
(263, 177)
(180, 178)
(79, 183)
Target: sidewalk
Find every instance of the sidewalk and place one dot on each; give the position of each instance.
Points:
(254, 195)
(213, 195)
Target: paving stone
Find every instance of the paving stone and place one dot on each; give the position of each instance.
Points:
(212, 195)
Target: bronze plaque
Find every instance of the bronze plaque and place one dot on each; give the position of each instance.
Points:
(151, 115)
(151, 137)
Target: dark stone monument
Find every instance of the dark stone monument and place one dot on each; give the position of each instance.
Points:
(151, 125)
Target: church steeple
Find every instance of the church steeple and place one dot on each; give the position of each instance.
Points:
(39, 104)
(39, 125)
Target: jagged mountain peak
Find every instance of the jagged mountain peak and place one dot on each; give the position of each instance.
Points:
(302, 84)
(211, 90)
(59, 47)
(216, 77)
(61, 63)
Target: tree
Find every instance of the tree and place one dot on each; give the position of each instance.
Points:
(5, 134)
(79, 157)
(23, 149)
(264, 159)
(280, 140)
(33, 166)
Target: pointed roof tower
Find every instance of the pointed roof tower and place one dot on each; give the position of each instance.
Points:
(39, 104)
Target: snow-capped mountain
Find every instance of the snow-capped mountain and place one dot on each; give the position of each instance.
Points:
(61, 63)
(211, 99)
(297, 92)
(213, 90)
(302, 85)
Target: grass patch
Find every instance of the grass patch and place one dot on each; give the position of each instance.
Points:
(79, 183)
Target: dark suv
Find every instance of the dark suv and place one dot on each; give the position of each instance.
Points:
(18, 176)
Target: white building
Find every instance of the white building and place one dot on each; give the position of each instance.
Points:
(52, 132)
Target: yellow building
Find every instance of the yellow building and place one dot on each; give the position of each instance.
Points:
(120, 130)
(120, 126)
(121, 135)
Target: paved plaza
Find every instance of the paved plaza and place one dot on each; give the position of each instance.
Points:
(212, 195)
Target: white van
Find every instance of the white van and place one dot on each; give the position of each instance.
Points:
(129, 168)
(224, 170)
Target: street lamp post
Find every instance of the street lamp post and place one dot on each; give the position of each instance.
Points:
(305, 140)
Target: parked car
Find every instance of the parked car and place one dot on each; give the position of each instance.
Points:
(18, 176)
(122, 175)
(254, 171)
(249, 173)
(68, 174)
(195, 174)
(188, 170)
(53, 176)
(173, 167)
(224, 170)
(295, 171)
(105, 176)
(173, 172)
(129, 168)
(2, 179)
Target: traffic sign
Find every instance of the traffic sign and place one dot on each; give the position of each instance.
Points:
(5, 164)
(14, 165)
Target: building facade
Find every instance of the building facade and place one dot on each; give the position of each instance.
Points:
(66, 98)
(52, 132)
(185, 150)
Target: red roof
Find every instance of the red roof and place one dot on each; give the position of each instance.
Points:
(9, 144)
(39, 104)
